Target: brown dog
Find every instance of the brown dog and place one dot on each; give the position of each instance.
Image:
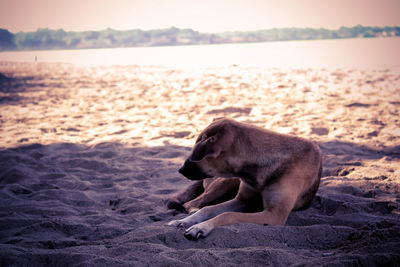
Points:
(283, 170)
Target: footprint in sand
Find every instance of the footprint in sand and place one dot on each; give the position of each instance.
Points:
(142, 185)
(165, 191)
(113, 203)
(319, 131)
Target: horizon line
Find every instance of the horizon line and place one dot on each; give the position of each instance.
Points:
(184, 28)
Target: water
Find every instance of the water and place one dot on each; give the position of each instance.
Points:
(344, 53)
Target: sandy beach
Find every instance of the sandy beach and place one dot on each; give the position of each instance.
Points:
(89, 155)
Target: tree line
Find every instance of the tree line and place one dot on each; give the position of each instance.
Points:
(47, 39)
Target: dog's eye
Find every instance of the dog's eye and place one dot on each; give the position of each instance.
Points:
(212, 139)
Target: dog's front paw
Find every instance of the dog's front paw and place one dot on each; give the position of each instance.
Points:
(177, 223)
(186, 222)
(198, 230)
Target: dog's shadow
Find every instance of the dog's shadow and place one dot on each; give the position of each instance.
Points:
(338, 155)
(351, 202)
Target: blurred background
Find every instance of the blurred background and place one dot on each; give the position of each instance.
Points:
(179, 33)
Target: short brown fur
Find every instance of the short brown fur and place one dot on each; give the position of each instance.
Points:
(284, 170)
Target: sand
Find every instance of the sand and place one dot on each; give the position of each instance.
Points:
(89, 156)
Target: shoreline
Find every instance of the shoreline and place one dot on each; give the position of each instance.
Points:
(190, 45)
(364, 53)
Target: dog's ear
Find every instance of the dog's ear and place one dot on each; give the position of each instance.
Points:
(218, 118)
(206, 149)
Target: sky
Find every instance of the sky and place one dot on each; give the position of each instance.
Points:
(200, 15)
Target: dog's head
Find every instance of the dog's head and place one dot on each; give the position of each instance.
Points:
(208, 157)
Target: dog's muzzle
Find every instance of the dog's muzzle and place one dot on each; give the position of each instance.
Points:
(192, 171)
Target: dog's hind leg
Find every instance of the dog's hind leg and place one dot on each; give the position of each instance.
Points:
(209, 212)
(217, 191)
(188, 194)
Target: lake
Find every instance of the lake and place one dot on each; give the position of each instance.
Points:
(340, 53)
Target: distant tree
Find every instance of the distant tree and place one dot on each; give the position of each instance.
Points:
(91, 35)
(29, 40)
(60, 39)
(42, 39)
(74, 42)
(7, 40)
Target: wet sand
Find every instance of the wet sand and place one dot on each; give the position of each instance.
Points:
(89, 155)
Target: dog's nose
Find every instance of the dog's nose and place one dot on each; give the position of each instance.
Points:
(184, 167)
(181, 170)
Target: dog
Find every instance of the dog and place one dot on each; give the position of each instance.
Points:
(282, 171)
